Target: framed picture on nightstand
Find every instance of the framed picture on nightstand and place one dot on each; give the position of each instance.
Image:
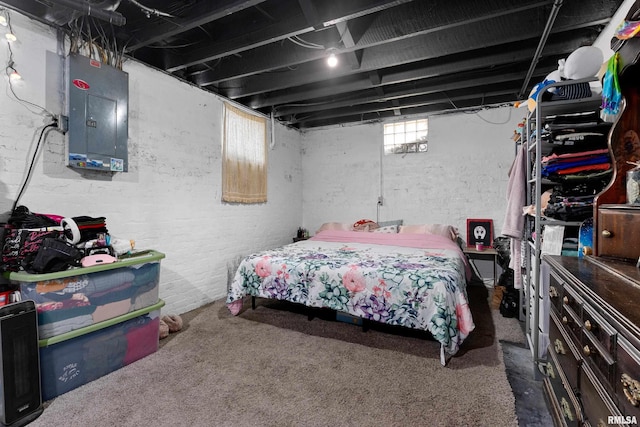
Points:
(480, 231)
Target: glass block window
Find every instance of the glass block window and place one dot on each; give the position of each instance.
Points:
(406, 137)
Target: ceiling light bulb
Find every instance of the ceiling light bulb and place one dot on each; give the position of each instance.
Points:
(3, 20)
(332, 60)
(14, 76)
(11, 37)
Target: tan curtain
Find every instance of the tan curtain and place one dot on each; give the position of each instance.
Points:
(244, 157)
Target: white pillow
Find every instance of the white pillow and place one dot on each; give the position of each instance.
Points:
(386, 229)
(397, 222)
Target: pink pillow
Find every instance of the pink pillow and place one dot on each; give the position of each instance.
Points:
(335, 226)
(444, 230)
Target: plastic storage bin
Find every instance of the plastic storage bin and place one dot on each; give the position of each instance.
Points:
(79, 297)
(70, 360)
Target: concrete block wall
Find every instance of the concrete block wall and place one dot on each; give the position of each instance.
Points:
(463, 174)
(170, 198)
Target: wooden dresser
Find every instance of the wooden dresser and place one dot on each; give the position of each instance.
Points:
(593, 364)
(593, 368)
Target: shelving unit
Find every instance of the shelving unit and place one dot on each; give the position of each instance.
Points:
(535, 295)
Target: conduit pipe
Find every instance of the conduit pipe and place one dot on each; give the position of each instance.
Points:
(543, 41)
(114, 18)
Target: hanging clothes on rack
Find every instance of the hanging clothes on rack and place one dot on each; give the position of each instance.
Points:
(513, 224)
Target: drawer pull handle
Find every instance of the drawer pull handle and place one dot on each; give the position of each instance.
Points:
(566, 409)
(587, 351)
(606, 234)
(551, 373)
(553, 292)
(559, 347)
(631, 389)
(565, 299)
(588, 326)
(565, 321)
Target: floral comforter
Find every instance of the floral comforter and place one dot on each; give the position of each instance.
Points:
(416, 281)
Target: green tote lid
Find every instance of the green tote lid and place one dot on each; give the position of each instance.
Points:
(123, 261)
(100, 325)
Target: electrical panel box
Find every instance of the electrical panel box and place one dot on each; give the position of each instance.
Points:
(98, 104)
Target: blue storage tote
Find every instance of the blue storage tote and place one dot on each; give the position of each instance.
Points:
(79, 297)
(70, 360)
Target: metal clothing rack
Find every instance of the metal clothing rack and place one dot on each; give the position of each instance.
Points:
(535, 298)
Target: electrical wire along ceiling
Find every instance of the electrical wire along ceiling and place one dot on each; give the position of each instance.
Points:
(391, 58)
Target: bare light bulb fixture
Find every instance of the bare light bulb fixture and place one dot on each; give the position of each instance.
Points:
(3, 20)
(11, 37)
(332, 60)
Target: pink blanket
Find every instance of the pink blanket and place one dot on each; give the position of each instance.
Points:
(409, 240)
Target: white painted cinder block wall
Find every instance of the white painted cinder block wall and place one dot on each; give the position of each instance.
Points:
(462, 175)
(170, 198)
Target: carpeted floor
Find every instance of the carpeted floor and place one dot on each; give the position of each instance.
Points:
(273, 367)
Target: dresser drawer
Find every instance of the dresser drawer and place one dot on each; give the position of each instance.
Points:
(597, 357)
(597, 407)
(572, 325)
(563, 403)
(556, 292)
(571, 300)
(618, 232)
(627, 381)
(564, 352)
(601, 330)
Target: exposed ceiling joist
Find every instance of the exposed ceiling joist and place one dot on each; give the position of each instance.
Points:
(397, 57)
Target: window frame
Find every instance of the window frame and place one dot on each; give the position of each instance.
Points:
(406, 136)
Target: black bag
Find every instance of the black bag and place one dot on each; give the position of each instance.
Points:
(19, 245)
(54, 255)
(506, 278)
(510, 303)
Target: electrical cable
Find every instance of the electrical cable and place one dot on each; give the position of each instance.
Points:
(150, 11)
(33, 161)
(308, 43)
(9, 68)
(302, 43)
(172, 46)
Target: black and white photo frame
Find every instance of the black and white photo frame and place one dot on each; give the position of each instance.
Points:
(480, 231)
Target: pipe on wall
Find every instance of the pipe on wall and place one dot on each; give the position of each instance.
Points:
(543, 41)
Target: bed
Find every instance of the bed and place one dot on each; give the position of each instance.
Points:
(414, 280)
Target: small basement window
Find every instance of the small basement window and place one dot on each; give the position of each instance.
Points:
(406, 137)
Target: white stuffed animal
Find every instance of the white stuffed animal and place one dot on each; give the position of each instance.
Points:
(582, 63)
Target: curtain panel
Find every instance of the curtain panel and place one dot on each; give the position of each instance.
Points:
(244, 157)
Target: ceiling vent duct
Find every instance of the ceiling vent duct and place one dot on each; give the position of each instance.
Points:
(97, 10)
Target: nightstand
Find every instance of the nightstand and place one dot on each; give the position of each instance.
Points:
(487, 254)
(297, 239)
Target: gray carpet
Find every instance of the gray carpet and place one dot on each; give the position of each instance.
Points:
(273, 367)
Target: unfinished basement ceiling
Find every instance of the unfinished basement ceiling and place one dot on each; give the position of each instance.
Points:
(395, 58)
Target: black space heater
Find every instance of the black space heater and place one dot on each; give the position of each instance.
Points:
(21, 400)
